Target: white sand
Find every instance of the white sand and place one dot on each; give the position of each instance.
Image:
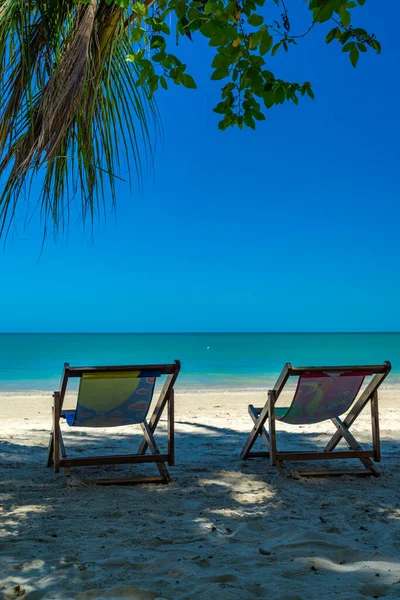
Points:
(223, 529)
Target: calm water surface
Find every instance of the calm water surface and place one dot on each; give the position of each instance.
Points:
(209, 360)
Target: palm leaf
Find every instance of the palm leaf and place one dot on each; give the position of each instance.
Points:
(70, 111)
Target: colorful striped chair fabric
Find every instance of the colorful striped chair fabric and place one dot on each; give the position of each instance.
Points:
(321, 396)
(113, 400)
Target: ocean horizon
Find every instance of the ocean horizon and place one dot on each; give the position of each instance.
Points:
(34, 361)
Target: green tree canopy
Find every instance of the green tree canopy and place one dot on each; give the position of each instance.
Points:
(70, 68)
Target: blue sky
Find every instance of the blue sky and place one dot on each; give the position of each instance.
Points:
(293, 227)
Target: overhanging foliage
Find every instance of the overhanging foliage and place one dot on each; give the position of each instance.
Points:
(70, 68)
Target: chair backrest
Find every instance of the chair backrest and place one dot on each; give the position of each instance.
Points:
(113, 399)
(326, 392)
(114, 396)
(322, 396)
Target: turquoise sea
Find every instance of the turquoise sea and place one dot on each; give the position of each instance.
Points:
(209, 360)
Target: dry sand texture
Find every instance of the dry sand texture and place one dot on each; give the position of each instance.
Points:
(223, 529)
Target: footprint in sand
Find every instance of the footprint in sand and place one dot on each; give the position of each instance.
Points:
(226, 578)
(295, 573)
(374, 590)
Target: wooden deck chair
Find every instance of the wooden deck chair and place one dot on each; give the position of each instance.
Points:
(322, 393)
(116, 396)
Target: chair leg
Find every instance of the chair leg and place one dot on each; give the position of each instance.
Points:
(359, 406)
(50, 451)
(375, 427)
(151, 442)
(255, 432)
(272, 430)
(62, 447)
(158, 410)
(253, 412)
(354, 445)
(171, 429)
(56, 433)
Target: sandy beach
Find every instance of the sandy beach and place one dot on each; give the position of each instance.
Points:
(223, 528)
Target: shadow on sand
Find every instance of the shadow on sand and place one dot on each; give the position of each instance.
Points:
(224, 528)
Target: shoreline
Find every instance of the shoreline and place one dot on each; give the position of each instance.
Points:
(182, 390)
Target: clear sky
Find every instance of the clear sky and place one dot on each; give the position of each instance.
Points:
(293, 227)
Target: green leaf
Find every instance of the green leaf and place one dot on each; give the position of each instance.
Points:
(376, 46)
(163, 82)
(159, 56)
(142, 77)
(362, 47)
(221, 108)
(347, 47)
(188, 81)
(255, 39)
(361, 2)
(325, 14)
(211, 29)
(280, 95)
(166, 62)
(210, 7)
(345, 16)
(220, 73)
(193, 14)
(139, 8)
(137, 34)
(145, 63)
(227, 90)
(332, 35)
(122, 3)
(345, 36)
(269, 99)
(266, 43)
(275, 48)
(175, 61)
(226, 121)
(255, 20)
(220, 61)
(135, 56)
(310, 92)
(249, 121)
(157, 41)
(268, 76)
(354, 56)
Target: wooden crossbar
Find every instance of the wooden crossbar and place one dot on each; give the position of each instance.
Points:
(335, 473)
(315, 455)
(112, 460)
(373, 369)
(162, 369)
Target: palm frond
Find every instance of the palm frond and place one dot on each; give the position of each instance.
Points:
(69, 107)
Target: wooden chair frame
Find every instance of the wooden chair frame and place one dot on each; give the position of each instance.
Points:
(267, 413)
(166, 398)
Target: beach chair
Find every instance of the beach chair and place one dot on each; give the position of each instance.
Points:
(111, 397)
(322, 393)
